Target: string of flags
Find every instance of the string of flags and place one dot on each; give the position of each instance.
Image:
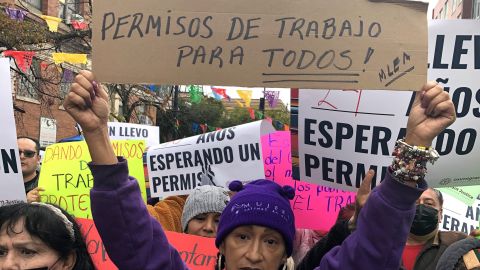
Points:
(272, 97)
(73, 58)
(195, 93)
(16, 14)
(246, 96)
(22, 58)
(52, 22)
(220, 93)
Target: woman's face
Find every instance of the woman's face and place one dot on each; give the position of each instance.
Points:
(204, 225)
(254, 247)
(20, 250)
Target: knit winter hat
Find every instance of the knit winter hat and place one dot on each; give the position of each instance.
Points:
(262, 203)
(204, 199)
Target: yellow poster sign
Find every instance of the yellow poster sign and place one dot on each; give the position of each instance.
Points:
(67, 180)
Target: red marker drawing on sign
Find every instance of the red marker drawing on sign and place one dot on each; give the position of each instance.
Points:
(324, 100)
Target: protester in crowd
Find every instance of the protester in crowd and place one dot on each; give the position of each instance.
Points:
(41, 236)
(425, 243)
(256, 229)
(29, 150)
(198, 214)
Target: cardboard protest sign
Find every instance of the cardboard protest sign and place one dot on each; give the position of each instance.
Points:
(95, 246)
(347, 44)
(315, 207)
(344, 133)
(458, 216)
(217, 157)
(198, 253)
(124, 131)
(67, 180)
(11, 184)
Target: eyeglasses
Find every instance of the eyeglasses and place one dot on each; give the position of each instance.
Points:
(27, 153)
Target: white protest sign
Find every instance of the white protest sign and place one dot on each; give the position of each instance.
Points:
(11, 179)
(122, 131)
(343, 133)
(458, 216)
(48, 131)
(217, 157)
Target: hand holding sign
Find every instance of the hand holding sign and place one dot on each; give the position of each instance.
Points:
(432, 112)
(87, 105)
(34, 195)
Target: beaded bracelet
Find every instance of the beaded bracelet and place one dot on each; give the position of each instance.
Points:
(410, 162)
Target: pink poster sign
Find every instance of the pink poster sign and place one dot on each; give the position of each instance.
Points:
(315, 207)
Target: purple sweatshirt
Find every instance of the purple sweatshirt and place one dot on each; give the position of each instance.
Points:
(135, 240)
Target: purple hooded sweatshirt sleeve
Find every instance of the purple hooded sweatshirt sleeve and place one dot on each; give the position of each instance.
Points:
(382, 230)
(132, 238)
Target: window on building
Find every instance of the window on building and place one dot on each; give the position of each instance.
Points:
(68, 8)
(35, 3)
(27, 84)
(476, 9)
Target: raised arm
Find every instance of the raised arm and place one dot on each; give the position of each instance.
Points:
(384, 223)
(132, 238)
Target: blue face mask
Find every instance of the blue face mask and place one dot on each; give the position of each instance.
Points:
(425, 221)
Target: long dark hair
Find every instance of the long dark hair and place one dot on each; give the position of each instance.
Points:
(45, 224)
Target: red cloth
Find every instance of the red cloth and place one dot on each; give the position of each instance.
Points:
(221, 91)
(410, 254)
(77, 25)
(22, 58)
(252, 113)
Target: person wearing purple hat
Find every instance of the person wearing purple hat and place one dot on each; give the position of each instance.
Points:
(256, 228)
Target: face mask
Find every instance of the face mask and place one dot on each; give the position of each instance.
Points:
(425, 221)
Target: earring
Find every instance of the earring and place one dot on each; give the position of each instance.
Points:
(219, 262)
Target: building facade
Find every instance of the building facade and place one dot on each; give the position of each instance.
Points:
(39, 90)
(456, 9)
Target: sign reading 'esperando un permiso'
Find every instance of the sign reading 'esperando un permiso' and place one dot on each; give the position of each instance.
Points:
(350, 44)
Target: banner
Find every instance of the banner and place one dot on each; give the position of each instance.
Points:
(458, 216)
(123, 131)
(323, 203)
(95, 246)
(198, 253)
(214, 158)
(67, 180)
(344, 133)
(11, 184)
(348, 44)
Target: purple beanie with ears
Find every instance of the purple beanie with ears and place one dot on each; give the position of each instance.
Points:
(262, 203)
